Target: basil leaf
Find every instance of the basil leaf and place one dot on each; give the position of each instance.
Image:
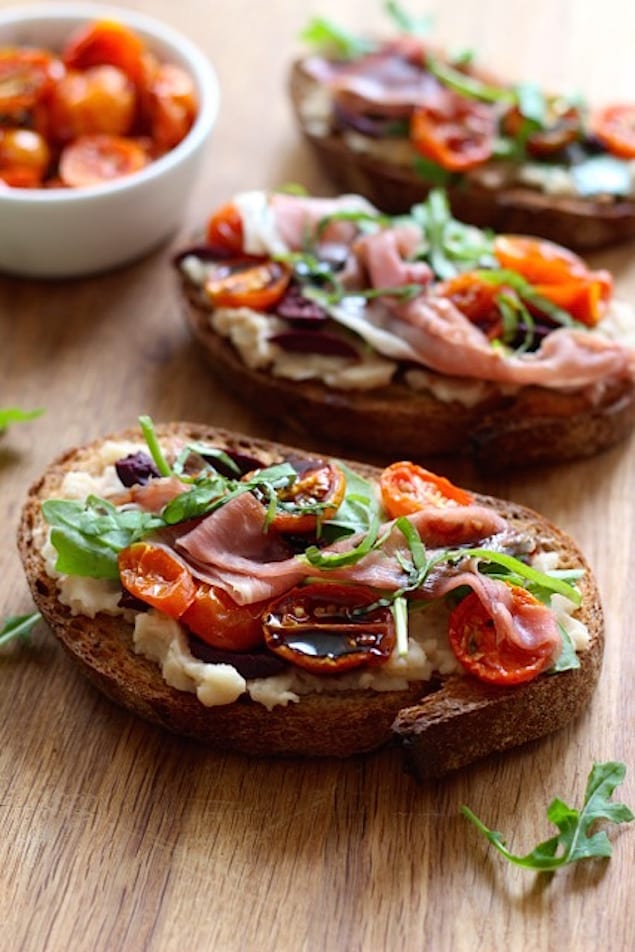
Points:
(207, 452)
(527, 293)
(147, 428)
(532, 103)
(448, 245)
(358, 510)
(468, 85)
(18, 626)
(574, 840)
(551, 583)
(432, 172)
(335, 560)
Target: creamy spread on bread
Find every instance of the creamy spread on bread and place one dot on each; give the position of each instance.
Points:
(165, 642)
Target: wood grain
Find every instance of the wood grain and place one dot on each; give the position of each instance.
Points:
(119, 837)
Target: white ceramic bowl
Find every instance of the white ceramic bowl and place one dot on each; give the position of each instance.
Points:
(63, 233)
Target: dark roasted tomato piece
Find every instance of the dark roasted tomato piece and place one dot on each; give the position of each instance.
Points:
(407, 488)
(614, 126)
(316, 494)
(157, 576)
(477, 299)
(476, 644)
(563, 125)
(328, 628)
(219, 621)
(247, 282)
(454, 131)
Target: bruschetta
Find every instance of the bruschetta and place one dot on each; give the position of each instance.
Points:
(266, 601)
(392, 118)
(412, 335)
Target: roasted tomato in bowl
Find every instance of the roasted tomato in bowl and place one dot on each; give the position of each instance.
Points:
(104, 116)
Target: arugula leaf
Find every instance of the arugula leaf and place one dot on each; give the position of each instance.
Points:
(18, 626)
(326, 35)
(15, 415)
(415, 26)
(575, 841)
(357, 511)
(89, 535)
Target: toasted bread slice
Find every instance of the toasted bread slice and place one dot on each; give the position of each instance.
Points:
(571, 220)
(531, 426)
(444, 724)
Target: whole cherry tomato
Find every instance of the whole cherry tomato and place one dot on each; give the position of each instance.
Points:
(26, 77)
(106, 43)
(24, 158)
(98, 100)
(406, 488)
(171, 104)
(156, 575)
(225, 229)
(474, 641)
(328, 628)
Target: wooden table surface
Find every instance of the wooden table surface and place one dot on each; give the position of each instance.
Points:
(118, 836)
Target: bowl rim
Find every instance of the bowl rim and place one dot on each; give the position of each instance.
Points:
(202, 70)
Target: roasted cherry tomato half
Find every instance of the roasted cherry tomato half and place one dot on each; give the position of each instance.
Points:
(407, 488)
(171, 105)
(455, 132)
(101, 99)
(556, 274)
(26, 76)
(24, 158)
(474, 641)
(614, 126)
(156, 575)
(315, 495)
(562, 126)
(477, 299)
(221, 623)
(93, 160)
(247, 282)
(328, 628)
(225, 229)
(106, 43)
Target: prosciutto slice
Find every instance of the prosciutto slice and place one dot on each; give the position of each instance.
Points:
(530, 628)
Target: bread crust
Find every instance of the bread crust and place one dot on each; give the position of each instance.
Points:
(576, 222)
(531, 426)
(442, 726)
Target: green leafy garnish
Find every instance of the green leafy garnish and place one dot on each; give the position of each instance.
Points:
(520, 573)
(147, 428)
(326, 35)
(468, 85)
(400, 614)
(405, 22)
(575, 840)
(368, 220)
(432, 172)
(89, 535)
(18, 626)
(357, 512)
(525, 291)
(448, 245)
(335, 560)
(10, 415)
(202, 449)
(567, 660)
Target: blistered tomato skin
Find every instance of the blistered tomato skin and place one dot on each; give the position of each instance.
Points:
(327, 628)
(102, 82)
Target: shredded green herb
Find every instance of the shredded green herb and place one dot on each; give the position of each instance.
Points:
(18, 626)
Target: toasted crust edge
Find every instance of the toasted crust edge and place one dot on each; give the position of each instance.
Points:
(578, 223)
(332, 724)
(533, 426)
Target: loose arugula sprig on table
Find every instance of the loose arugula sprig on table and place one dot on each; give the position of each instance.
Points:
(575, 841)
(18, 626)
(10, 415)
